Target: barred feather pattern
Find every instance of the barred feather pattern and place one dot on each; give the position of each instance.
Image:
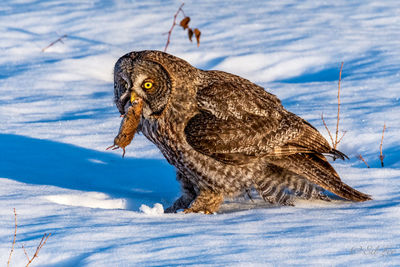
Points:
(281, 186)
(318, 171)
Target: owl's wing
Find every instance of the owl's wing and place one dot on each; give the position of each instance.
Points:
(239, 122)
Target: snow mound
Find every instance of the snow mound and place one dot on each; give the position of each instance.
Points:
(157, 209)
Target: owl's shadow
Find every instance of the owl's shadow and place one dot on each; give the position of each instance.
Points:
(253, 201)
(45, 162)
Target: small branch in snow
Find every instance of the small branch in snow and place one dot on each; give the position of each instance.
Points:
(41, 244)
(381, 156)
(337, 139)
(26, 254)
(363, 160)
(15, 236)
(326, 127)
(54, 42)
(344, 133)
(338, 111)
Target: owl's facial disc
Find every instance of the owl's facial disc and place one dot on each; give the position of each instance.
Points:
(153, 85)
(144, 79)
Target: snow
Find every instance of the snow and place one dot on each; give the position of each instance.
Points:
(157, 209)
(57, 118)
(89, 199)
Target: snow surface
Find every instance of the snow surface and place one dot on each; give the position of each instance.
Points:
(57, 117)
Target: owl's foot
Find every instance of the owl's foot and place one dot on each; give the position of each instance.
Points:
(207, 203)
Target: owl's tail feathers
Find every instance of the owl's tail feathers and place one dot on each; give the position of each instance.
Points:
(349, 193)
(316, 169)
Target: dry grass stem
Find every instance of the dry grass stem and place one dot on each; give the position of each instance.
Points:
(381, 156)
(41, 244)
(344, 133)
(56, 41)
(363, 160)
(326, 127)
(15, 236)
(173, 26)
(337, 140)
(38, 248)
(26, 254)
(338, 111)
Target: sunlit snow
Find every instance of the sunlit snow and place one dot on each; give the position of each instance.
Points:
(57, 117)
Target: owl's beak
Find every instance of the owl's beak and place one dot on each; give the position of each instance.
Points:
(134, 98)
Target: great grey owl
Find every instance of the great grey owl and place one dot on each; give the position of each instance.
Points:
(225, 135)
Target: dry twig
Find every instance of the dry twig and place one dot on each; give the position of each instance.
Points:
(338, 111)
(173, 26)
(54, 42)
(15, 236)
(344, 133)
(185, 26)
(41, 244)
(326, 127)
(363, 160)
(336, 141)
(381, 156)
(26, 254)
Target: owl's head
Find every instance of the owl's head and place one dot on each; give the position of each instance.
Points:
(138, 76)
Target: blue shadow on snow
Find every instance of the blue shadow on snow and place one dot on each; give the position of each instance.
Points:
(45, 162)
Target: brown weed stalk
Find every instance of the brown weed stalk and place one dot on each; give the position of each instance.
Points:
(363, 160)
(60, 39)
(15, 236)
(337, 140)
(38, 248)
(381, 156)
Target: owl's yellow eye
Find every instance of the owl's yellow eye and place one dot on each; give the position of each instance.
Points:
(148, 85)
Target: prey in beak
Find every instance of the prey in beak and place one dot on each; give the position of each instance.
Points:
(133, 109)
